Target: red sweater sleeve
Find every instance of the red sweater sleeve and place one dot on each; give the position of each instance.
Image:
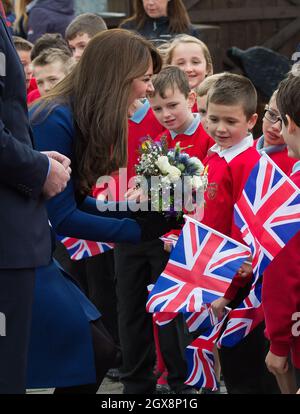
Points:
(281, 298)
(236, 283)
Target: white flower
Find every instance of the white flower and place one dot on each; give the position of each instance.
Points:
(173, 174)
(197, 182)
(195, 161)
(163, 164)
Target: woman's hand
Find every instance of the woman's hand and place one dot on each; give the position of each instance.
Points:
(136, 194)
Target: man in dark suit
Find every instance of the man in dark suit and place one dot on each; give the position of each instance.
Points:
(27, 177)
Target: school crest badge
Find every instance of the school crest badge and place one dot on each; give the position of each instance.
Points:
(212, 189)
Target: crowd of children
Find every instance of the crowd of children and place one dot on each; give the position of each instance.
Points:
(211, 116)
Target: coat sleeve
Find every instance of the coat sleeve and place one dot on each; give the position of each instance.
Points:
(55, 133)
(20, 166)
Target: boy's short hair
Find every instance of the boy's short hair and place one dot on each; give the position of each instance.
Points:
(207, 83)
(288, 99)
(22, 44)
(51, 55)
(231, 89)
(50, 40)
(89, 23)
(170, 77)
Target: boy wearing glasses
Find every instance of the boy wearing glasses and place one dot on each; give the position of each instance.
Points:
(272, 142)
(281, 287)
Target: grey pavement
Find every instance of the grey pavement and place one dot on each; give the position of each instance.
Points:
(107, 387)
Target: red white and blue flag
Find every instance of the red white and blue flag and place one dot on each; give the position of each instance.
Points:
(201, 361)
(80, 249)
(268, 212)
(242, 320)
(200, 270)
(203, 320)
(239, 324)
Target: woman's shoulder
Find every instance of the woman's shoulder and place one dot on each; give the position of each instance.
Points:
(60, 113)
(54, 130)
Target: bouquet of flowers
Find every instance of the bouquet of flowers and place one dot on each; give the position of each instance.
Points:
(174, 181)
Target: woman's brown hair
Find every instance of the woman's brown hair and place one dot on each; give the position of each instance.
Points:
(98, 91)
(21, 14)
(179, 21)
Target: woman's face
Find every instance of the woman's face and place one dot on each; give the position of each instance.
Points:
(156, 8)
(141, 86)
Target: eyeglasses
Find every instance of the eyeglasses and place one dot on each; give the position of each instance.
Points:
(271, 116)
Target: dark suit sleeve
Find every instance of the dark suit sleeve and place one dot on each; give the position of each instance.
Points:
(20, 166)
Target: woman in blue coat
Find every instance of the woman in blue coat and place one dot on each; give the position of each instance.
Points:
(85, 118)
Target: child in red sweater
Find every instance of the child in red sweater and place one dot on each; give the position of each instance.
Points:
(193, 57)
(281, 286)
(172, 102)
(231, 114)
(272, 142)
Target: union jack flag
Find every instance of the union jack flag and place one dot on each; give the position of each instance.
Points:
(200, 269)
(239, 324)
(268, 212)
(242, 320)
(81, 249)
(200, 359)
(201, 320)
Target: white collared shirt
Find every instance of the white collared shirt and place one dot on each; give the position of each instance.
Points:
(191, 129)
(230, 153)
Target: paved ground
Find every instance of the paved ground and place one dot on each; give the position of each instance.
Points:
(107, 387)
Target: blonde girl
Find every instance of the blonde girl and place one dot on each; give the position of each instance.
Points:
(192, 56)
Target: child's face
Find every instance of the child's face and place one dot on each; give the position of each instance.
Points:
(26, 62)
(48, 76)
(201, 104)
(271, 129)
(291, 136)
(141, 86)
(78, 44)
(174, 112)
(190, 58)
(228, 124)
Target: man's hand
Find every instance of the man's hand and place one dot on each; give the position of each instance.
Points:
(62, 159)
(218, 307)
(59, 174)
(277, 365)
